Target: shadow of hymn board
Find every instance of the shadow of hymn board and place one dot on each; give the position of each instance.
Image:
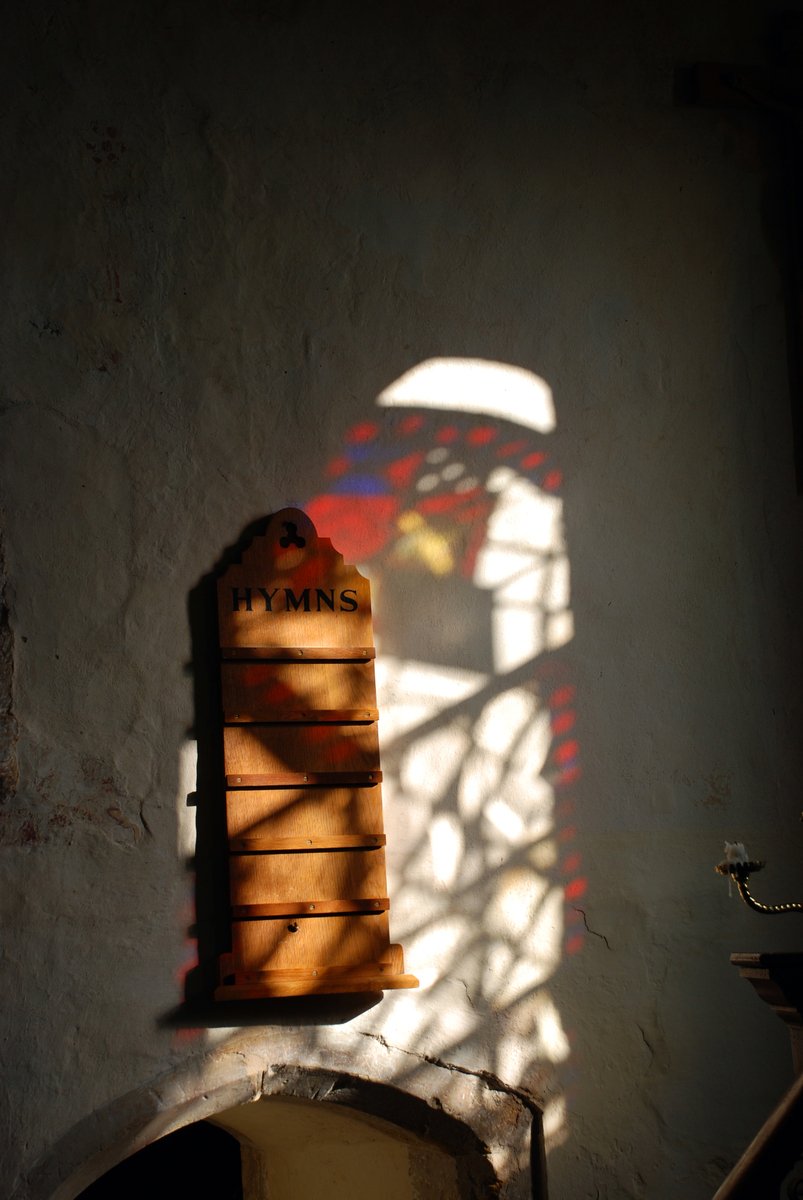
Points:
(303, 784)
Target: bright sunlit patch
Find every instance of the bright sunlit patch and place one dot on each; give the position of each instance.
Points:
(527, 587)
(498, 565)
(524, 518)
(536, 1024)
(187, 772)
(480, 779)
(433, 761)
(504, 819)
(447, 844)
(455, 508)
(543, 936)
(556, 591)
(438, 943)
(503, 719)
(554, 1122)
(517, 636)
(559, 630)
(409, 903)
(518, 895)
(523, 561)
(475, 385)
(453, 1022)
(509, 1056)
(538, 946)
(543, 855)
(412, 692)
(523, 978)
(532, 749)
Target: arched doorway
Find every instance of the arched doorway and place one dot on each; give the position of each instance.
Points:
(294, 1148)
(465, 1131)
(199, 1160)
(285, 1148)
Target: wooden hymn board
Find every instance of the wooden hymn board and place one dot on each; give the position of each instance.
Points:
(309, 905)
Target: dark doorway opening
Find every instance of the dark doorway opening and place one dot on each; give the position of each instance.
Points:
(198, 1160)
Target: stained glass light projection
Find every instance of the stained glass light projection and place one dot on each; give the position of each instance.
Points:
(450, 499)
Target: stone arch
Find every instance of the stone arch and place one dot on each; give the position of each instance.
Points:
(483, 1124)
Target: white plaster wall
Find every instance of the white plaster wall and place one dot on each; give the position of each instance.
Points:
(234, 226)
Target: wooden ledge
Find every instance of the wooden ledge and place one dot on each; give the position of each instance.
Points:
(314, 716)
(777, 978)
(299, 778)
(309, 984)
(333, 841)
(386, 973)
(320, 908)
(302, 653)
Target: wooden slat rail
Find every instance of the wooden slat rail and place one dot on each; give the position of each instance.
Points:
(315, 716)
(772, 1153)
(295, 908)
(322, 973)
(321, 983)
(314, 778)
(311, 653)
(332, 841)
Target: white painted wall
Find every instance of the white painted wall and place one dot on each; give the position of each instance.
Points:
(242, 232)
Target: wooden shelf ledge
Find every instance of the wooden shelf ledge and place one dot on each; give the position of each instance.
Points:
(305, 908)
(300, 653)
(299, 778)
(312, 985)
(334, 841)
(386, 973)
(307, 716)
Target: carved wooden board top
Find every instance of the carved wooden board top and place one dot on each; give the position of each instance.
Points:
(292, 592)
